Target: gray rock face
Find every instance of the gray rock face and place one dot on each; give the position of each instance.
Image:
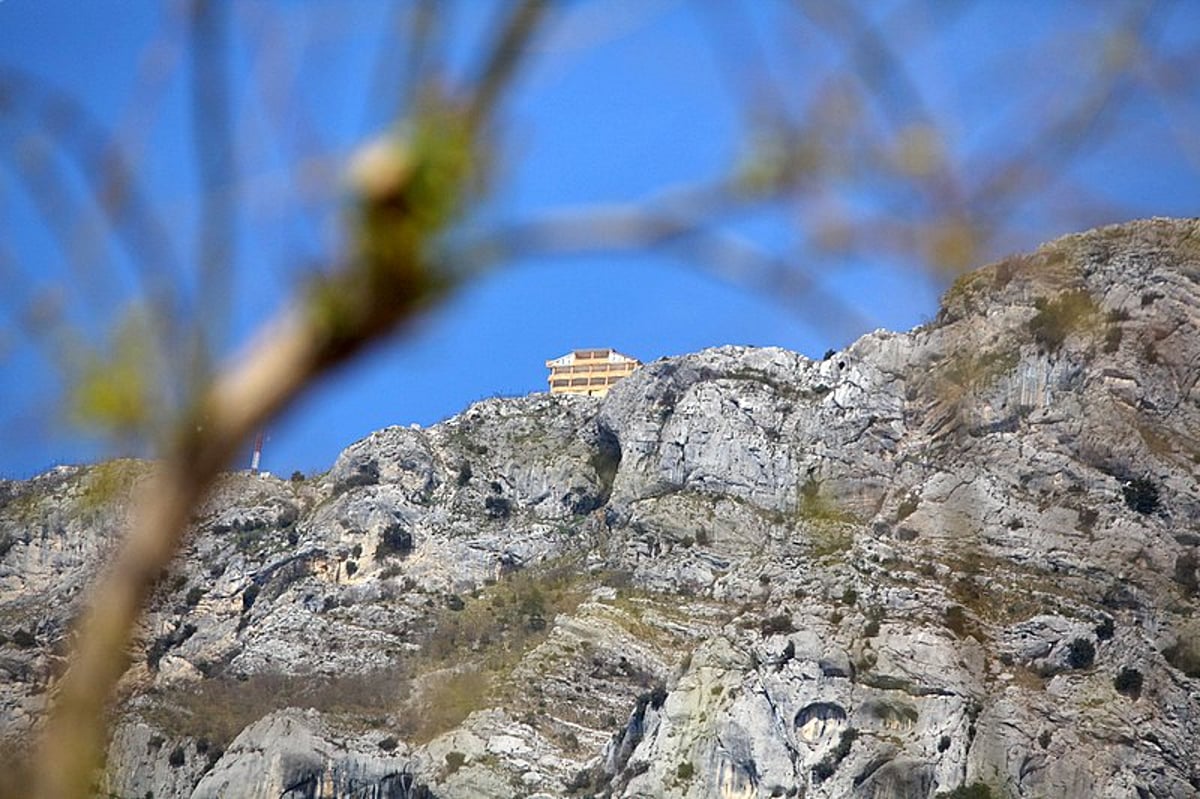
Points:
(959, 561)
(292, 754)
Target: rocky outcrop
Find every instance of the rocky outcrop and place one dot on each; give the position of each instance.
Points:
(959, 561)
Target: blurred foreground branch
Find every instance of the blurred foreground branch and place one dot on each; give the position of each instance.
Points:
(688, 229)
(411, 189)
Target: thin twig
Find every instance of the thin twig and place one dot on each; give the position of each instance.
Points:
(1064, 139)
(212, 133)
(114, 188)
(635, 227)
(420, 62)
(501, 61)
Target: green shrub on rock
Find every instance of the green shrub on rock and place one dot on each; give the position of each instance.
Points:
(1058, 318)
(828, 764)
(976, 790)
(780, 624)
(177, 757)
(1128, 682)
(395, 540)
(1081, 653)
(1141, 495)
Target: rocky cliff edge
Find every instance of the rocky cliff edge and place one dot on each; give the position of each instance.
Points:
(960, 561)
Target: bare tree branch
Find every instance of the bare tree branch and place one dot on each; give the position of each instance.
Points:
(1065, 137)
(690, 234)
(421, 63)
(212, 133)
(113, 187)
(502, 59)
(409, 193)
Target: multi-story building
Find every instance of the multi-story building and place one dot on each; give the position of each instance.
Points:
(591, 372)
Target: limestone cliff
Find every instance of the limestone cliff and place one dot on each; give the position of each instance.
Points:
(960, 561)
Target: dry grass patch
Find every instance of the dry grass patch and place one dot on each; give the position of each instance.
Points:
(469, 649)
(216, 710)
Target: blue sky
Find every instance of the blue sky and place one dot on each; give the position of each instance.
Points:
(620, 102)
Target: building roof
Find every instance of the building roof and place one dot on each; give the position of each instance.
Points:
(607, 354)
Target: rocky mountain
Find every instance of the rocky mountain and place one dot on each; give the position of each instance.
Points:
(956, 562)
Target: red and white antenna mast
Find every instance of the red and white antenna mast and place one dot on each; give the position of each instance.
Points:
(257, 456)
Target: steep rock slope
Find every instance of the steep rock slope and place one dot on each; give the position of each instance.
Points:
(958, 561)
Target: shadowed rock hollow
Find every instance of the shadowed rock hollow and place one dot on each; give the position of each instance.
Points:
(960, 561)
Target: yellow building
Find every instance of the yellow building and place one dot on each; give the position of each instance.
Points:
(590, 372)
